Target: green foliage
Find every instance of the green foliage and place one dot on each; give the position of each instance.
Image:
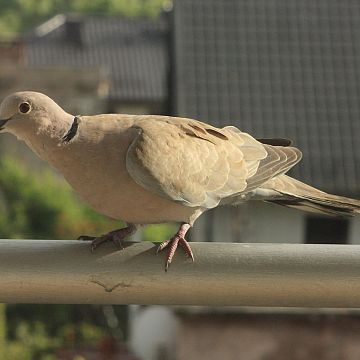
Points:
(33, 341)
(36, 332)
(159, 233)
(19, 15)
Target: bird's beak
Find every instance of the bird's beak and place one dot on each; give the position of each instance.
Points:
(2, 123)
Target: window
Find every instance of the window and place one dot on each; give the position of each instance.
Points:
(321, 230)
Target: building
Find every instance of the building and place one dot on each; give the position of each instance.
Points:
(131, 55)
(159, 332)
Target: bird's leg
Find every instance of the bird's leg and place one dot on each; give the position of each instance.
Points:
(172, 244)
(117, 236)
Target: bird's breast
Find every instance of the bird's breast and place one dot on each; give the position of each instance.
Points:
(102, 181)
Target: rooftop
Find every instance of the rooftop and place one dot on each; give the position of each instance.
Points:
(132, 52)
(277, 69)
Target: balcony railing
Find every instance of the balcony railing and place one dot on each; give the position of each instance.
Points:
(54, 271)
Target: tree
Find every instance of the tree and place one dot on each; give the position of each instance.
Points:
(17, 16)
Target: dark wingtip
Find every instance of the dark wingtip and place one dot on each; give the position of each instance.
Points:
(276, 141)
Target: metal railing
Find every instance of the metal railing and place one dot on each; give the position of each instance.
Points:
(59, 271)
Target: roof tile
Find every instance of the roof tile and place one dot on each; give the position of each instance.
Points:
(132, 51)
(277, 68)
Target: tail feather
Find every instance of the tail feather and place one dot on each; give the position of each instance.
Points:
(299, 195)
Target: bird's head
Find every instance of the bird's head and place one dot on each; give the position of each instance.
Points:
(28, 113)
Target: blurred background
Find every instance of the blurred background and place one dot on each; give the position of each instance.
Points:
(274, 68)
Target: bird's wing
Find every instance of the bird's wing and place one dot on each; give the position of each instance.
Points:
(196, 164)
(278, 161)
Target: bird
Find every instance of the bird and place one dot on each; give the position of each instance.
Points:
(150, 169)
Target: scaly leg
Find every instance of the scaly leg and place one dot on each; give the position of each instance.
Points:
(172, 244)
(117, 236)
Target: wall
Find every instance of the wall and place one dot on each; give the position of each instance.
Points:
(251, 222)
(153, 332)
(268, 337)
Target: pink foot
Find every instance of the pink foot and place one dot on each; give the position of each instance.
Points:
(172, 244)
(116, 236)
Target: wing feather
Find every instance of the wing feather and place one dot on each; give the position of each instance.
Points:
(198, 165)
(279, 160)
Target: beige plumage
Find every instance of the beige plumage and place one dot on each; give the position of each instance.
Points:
(147, 169)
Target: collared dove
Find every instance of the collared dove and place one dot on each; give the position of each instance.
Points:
(146, 169)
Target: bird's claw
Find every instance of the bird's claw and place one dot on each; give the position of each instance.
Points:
(172, 244)
(119, 241)
(162, 246)
(116, 236)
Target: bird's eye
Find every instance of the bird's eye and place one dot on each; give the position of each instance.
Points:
(24, 107)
